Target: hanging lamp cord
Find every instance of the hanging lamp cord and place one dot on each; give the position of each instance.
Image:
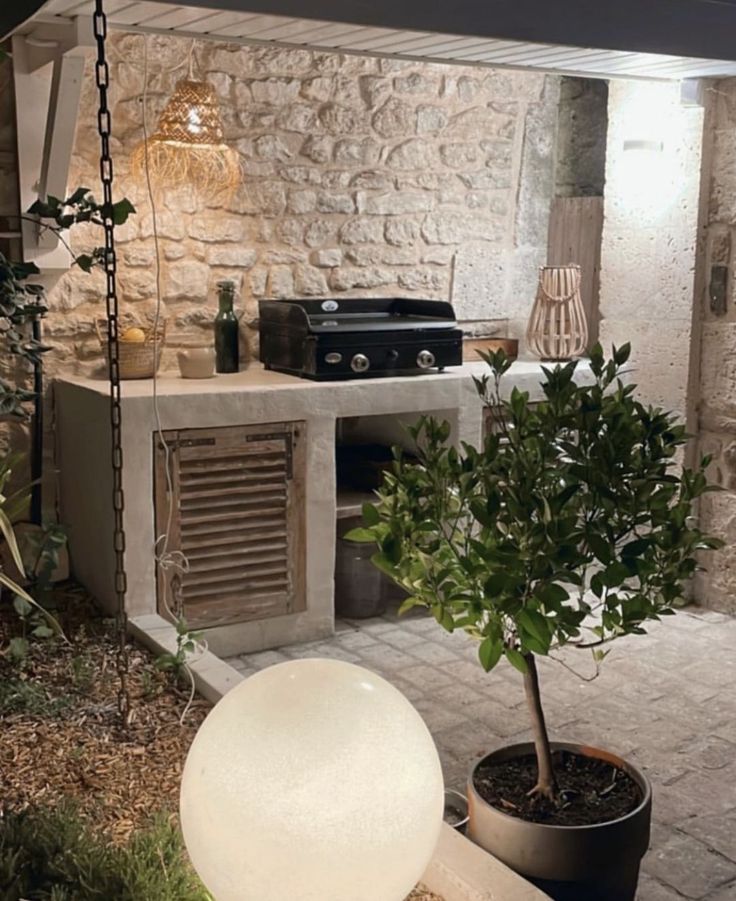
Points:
(104, 122)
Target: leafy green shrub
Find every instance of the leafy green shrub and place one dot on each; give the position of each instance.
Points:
(570, 526)
(53, 855)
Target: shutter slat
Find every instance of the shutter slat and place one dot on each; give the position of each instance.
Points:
(235, 563)
(238, 503)
(202, 540)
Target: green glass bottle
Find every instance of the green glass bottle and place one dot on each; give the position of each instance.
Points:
(226, 330)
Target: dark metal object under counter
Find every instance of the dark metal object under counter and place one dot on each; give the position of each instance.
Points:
(358, 338)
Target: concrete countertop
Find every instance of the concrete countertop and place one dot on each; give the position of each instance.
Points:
(524, 374)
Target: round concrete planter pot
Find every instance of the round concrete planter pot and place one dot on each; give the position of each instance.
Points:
(569, 863)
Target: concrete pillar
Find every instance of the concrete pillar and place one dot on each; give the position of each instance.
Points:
(652, 194)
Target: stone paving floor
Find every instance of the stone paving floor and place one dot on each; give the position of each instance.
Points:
(666, 700)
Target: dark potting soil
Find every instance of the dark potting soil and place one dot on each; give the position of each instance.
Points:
(591, 791)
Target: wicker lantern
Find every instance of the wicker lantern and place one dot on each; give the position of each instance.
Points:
(558, 328)
(189, 145)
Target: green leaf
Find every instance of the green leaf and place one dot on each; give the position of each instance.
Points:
(495, 584)
(21, 606)
(535, 624)
(553, 594)
(601, 548)
(43, 632)
(18, 648)
(490, 652)
(6, 527)
(516, 659)
(121, 210)
(370, 515)
(360, 536)
(615, 574)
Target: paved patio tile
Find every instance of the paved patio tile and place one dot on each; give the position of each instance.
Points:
(719, 832)
(689, 866)
(666, 700)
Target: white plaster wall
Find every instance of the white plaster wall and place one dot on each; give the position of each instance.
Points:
(650, 236)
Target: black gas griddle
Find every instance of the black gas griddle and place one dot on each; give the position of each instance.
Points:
(358, 338)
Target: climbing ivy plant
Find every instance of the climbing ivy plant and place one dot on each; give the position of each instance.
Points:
(22, 299)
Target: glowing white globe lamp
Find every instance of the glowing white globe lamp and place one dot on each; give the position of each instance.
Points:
(312, 780)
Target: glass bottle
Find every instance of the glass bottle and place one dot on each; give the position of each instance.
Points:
(226, 330)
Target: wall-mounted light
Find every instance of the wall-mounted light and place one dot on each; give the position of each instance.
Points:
(189, 148)
(644, 145)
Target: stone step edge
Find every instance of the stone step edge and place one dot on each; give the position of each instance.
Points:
(458, 871)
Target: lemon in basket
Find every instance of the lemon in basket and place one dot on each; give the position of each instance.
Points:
(133, 336)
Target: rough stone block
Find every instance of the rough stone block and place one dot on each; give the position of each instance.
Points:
(361, 231)
(427, 280)
(372, 179)
(310, 281)
(394, 118)
(327, 259)
(375, 90)
(431, 119)
(317, 148)
(318, 88)
(272, 147)
(328, 202)
(412, 154)
(187, 279)
(339, 120)
(277, 91)
(240, 257)
(416, 83)
(281, 282)
(357, 152)
(216, 228)
(395, 203)
(346, 278)
(401, 232)
(448, 227)
(302, 202)
(459, 155)
(299, 117)
(321, 231)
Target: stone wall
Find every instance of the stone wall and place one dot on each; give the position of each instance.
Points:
(581, 141)
(361, 177)
(717, 406)
(650, 231)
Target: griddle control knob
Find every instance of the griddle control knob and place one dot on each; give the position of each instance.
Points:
(425, 359)
(360, 363)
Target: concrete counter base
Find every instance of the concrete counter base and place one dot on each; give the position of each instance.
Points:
(373, 407)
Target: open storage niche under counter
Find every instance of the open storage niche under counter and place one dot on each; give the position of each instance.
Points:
(252, 403)
(232, 503)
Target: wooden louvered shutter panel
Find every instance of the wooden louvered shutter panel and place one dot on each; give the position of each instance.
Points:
(238, 517)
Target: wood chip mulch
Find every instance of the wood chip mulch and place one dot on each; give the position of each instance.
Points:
(60, 736)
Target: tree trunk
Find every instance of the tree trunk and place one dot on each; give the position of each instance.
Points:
(546, 782)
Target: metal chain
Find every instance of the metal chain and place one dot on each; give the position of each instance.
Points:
(104, 122)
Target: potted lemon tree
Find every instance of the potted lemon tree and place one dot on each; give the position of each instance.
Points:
(571, 526)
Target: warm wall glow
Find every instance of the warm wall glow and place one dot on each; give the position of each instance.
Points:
(313, 780)
(647, 151)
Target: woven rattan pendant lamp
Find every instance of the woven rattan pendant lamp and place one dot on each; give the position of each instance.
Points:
(189, 146)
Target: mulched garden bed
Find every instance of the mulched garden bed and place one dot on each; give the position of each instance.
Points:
(61, 737)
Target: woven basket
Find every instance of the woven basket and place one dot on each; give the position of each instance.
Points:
(136, 359)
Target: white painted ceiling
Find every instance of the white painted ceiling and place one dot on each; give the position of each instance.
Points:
(254, 28)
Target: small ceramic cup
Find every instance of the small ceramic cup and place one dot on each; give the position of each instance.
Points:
(197, 363)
